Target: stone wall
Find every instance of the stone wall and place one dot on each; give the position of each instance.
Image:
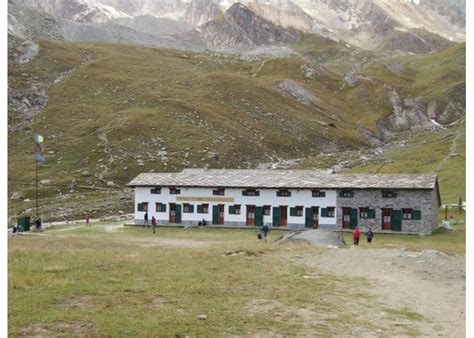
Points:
(423, 200)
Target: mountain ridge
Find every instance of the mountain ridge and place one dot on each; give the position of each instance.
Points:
(363, 23)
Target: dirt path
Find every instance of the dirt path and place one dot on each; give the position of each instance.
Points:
(452, 152)
(428, 283)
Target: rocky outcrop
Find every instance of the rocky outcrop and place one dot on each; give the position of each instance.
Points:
(239, 26)
(298, 92)
(155, 26)
(407, 114)
(415, 41)
(107, 32)
(286, 16)
(74, 10)
(28, 23)
(201, 11)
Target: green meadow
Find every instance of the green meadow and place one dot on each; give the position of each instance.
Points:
(111, 280)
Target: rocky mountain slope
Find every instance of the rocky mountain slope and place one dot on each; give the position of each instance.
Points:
(27, 23)
(293, 92)
(240, 27)
(103, 126)
(74, 10)
(368, 24)
(155, 26)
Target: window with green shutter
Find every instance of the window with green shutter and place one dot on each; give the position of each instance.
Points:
(346, 193)
(299, 211)
(388, 194)
(292, 211)
(407, 214)
(318, 193)
(175, 191)
(250, 192)
(140, 207)
(331, 211)
(371, 213)
(160, 207)
(231, 210)
(199, 208)
(156, 190)
(188, 208)
(416, 214)
(218, 192)
(283, 193)
(324, 212)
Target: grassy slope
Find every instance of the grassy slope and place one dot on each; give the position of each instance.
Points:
(143, 100)
(87, 281)
(436, 77)
(443, 153)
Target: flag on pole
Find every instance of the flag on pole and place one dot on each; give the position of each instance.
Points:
(38, 138)
(39, 148)
(39, 157)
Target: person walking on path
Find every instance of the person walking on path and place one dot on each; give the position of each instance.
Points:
(356, 236)
(88, 220)
(145, 219)
(369, 235)
(265, 231)
(153, 223)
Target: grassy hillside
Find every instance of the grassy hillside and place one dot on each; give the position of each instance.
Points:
(114, 111)
(443, 153)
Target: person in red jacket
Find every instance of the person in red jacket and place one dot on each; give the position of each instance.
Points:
(153, 223)
(356, 236)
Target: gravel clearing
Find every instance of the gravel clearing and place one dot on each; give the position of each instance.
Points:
(318, 237)
(427, 282)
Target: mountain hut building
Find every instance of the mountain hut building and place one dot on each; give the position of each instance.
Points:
(289, 199)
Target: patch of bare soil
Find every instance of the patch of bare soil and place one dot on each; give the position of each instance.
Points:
(160, 301)
(69, 228)
(427, 287)
(58, 329)
(83, 302)
(278, 311)
(114, 228)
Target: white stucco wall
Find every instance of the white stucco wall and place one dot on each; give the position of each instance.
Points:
(267, 197)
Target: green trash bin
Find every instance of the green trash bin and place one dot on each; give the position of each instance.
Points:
(25, 223)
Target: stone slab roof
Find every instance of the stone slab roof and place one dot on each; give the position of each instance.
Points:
(242, 178)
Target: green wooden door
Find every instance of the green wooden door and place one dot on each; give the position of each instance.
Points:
(396, 220)
(259, 216)
(215, 214)
(178, 213)
(308, 220)
(353, 216)
(276, 216)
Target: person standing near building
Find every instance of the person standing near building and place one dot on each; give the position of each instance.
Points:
(369, 235)
(153, 223)
(356, 236)
(145, 218)
(265, 231)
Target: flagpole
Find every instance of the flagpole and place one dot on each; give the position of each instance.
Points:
(38, 157)
(36, 161)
